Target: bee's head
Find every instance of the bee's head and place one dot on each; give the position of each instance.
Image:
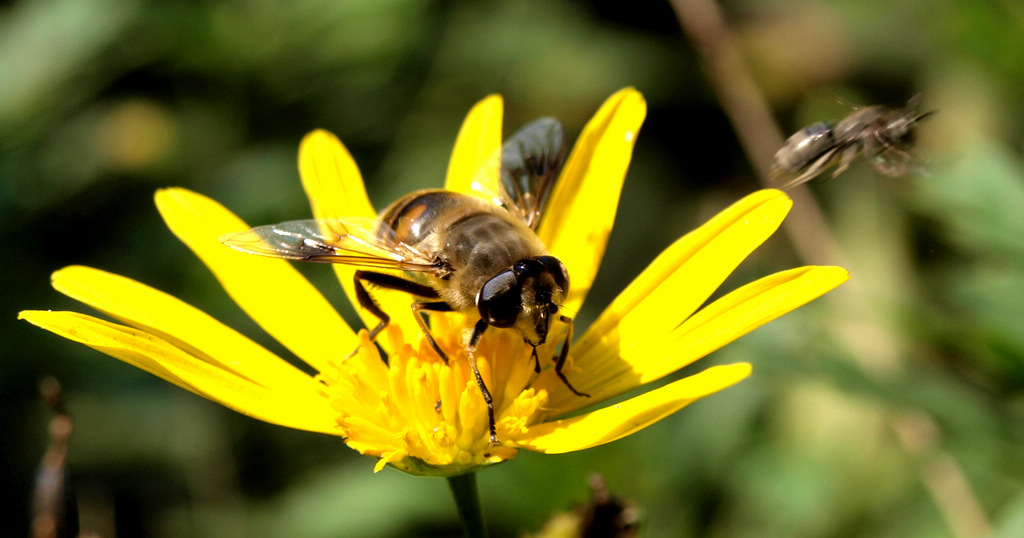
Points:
(899, 125)
(525, 297)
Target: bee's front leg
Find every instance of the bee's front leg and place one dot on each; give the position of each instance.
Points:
(439, 306)
(564, 355)
(474, 339)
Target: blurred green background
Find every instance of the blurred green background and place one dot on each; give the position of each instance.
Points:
(892, 407)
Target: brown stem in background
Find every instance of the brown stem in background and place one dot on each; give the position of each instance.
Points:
(872, 345)
(806, 227)
(753, 122)
(941, 474)
(54, 511)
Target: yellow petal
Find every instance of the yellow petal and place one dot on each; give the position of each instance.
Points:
(300, 409)
(748, 308)
(619, 420)
(331, 178)
(477, 148)
(271, 291)
(675, 284)
(335, 189)
(179, 323)
(582, 208)
(684, 275)
(616, 367)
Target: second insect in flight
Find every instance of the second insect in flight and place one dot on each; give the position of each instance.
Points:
(454, 252)
(879, 133)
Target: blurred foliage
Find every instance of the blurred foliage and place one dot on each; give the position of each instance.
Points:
(102, 102)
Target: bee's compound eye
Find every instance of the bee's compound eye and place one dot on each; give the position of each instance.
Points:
(554, 267)
(526, 268)
(500, 300)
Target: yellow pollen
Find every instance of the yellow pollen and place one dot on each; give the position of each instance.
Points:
(421, 415)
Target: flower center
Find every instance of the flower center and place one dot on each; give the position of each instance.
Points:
(424, 416)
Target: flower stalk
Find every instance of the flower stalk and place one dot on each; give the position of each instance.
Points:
(467, 501)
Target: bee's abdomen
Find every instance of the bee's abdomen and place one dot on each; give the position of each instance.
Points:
(414, 217)
(805, 147)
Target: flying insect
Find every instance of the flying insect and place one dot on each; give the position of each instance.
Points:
(879, 133)
(479, 255)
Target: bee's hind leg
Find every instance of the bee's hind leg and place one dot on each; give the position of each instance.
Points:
(845, 160)
(390, 282)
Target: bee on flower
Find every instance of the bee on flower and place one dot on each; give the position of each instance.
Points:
(484, 363)
(472, 255)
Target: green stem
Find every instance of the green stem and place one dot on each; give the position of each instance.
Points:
(467, 500)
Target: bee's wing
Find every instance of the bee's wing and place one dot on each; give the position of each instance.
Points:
(531, 160)
(787, 180)
(350, 241)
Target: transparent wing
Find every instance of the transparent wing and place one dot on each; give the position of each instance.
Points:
(786, 180)
(354, 241)
(531, 160)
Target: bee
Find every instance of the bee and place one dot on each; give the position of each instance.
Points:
(879, 133)
(452, 251)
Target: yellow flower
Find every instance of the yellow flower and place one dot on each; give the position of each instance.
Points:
(413, 411)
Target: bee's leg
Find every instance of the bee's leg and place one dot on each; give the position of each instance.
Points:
(391, 282)
(564, 354)
(846, 159)
(439, 306)
(478, 331)
(894, 161)
(890, 156)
